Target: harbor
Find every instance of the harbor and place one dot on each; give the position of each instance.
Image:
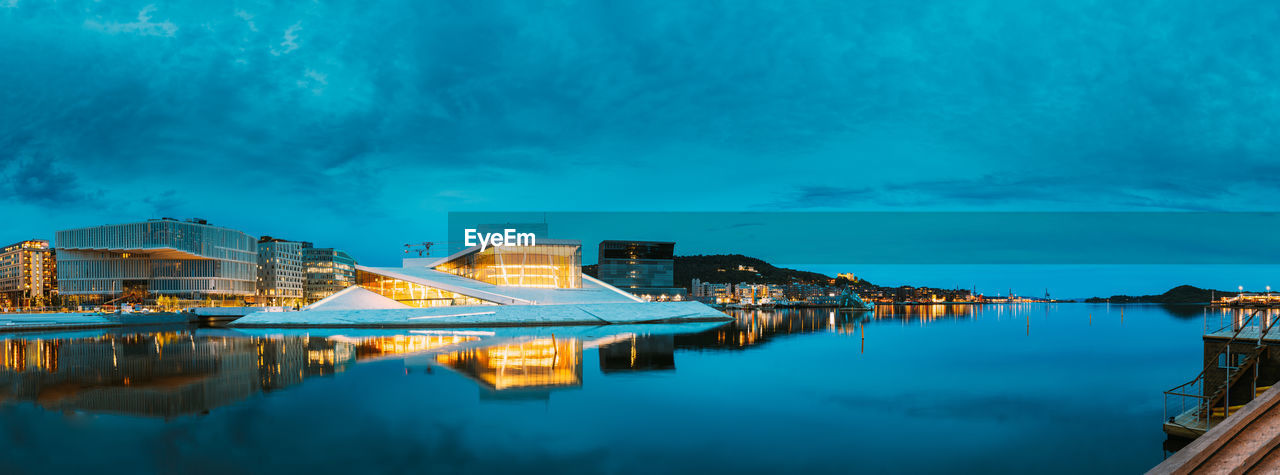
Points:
(800, 375)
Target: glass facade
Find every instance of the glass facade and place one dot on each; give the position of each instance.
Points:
(187, 259)
(413, 294)
(328, 271)
(544, 265)
(645, 268)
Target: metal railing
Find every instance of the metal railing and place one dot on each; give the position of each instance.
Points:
(1194, 391)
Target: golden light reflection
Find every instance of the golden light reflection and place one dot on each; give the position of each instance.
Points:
(168, 374)
(404, 344)
(540, 363)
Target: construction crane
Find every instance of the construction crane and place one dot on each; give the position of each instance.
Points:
(422, 249)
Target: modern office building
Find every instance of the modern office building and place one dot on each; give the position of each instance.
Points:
(140, 261)
(282, 275)
(28, 275)
(328, 271)
(644, 268)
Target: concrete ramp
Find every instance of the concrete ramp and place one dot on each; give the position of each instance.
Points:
(355, 298)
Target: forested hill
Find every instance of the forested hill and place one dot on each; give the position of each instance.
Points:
(1179, 294)
(732, 268)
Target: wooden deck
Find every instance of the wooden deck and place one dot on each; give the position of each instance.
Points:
(1247, 334)
(1246, 442)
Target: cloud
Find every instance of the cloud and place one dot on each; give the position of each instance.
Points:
(1000, 192)
(248, 19)
(39, 180)
(988, 103)
(290, 42)
(143, 26)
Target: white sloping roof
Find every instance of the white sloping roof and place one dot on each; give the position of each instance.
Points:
(592, 291)
(355, 298)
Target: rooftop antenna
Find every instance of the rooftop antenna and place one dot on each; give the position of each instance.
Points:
(422, 249)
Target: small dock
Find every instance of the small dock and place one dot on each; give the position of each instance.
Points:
(1242, 362)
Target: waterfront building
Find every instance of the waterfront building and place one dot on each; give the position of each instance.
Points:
(140, 261)
(492, 276)
(28, 274)
(712, 292)
(328, 271)
(281, 274)
(644, 268)
(550, 264)
(503, 285)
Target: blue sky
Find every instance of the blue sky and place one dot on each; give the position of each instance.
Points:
(360, 125)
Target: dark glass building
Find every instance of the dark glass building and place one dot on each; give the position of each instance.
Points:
(328, 271)
(645, 268)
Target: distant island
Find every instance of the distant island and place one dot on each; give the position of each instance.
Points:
(1179, 294)
(737, 268)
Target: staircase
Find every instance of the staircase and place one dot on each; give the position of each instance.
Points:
(1212, 404)
(1236, 373)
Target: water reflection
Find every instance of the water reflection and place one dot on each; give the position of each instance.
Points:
(167, 374)
(530, 367)
(639, 353)
(191, 371)
(754, 327)
(968, 375)
(534, 365)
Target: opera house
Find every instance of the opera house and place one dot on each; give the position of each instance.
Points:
(538, 284)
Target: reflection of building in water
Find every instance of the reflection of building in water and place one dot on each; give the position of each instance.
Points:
(38, 355)
(162, 374)
(639, 353)
(403, 344)
(929, 313)
(753, 327)
(176, 373)
(543, 363)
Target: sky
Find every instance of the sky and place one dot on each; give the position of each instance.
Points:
(360, 125)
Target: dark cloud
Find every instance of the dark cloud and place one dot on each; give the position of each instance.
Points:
(38, 180)
(401, 109)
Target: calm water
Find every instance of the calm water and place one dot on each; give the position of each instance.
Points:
(1040, 388)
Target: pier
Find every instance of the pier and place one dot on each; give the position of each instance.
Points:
(1240, 363)
(82, 321)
